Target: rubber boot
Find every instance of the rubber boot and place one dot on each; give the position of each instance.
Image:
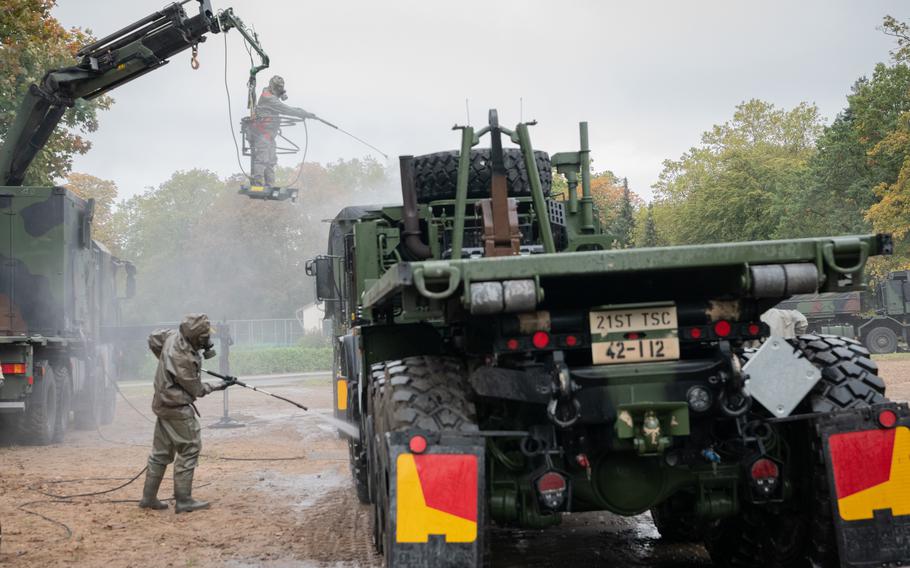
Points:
(183, 492)
(150, 500)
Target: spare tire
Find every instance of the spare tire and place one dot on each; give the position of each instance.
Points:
(437, 174)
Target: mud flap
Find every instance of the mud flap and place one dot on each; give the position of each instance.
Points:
(867, 455)
(436, 500)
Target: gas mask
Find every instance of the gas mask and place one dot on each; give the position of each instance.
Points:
(208, 346)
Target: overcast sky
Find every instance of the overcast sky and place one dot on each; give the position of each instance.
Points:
(649, 77)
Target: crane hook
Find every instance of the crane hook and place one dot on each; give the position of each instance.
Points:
(194, 60)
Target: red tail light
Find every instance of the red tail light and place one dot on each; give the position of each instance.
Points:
(13, 368)
(887, 418)
(551, 487)
(722, 328)
(540, 339)
(765, 474)
(512, 344)
(417, 444)
(571, 341)
(695, 333)
(754, 329)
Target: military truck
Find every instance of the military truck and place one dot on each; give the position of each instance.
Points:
(58, 288)
(878, 317)
(505, 365)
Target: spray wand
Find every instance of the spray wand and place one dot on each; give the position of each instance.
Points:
(235, 381)
(345, 427)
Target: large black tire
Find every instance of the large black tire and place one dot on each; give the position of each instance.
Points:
(436, 174)
(88, 406)
(849, 376)
(38, 423)
(881, 340)
(759, 538)
(357, 449)
(427, 393)
(64, 402)
(676, 526)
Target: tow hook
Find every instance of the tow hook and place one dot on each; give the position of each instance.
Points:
(733, 400)
(564, 409)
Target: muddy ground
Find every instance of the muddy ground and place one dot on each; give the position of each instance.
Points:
(292, 506)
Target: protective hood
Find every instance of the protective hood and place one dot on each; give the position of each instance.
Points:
(193, 327)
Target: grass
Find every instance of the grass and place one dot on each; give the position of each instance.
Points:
(892, 357)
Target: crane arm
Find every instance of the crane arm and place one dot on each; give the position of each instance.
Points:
(104, 65)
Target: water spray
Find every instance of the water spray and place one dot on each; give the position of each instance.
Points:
(344, 427)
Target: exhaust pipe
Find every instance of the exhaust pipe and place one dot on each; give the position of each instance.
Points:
(411, 231)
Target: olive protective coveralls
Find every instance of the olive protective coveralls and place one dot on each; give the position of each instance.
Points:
(178, 384)
(263, 132)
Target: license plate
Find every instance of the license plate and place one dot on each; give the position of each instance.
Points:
(634, 334)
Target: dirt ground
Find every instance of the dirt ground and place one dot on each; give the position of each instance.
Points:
(293, 506)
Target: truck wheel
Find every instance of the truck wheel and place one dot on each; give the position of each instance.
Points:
(87, 409)
(757, 537)
(436, 174)
(357, 451)
(881, 340)
(41, 411)
(64, 403)
(849, 377)
(427, 393)
(674, 526)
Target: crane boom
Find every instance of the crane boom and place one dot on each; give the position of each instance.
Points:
(105, 64)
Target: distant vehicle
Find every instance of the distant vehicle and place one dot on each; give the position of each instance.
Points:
(879, 318)
(58, 288)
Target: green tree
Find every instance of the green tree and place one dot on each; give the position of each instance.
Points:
(739, 184)
(33, 42)
(623, 226)
(650, 239)
(199, 246)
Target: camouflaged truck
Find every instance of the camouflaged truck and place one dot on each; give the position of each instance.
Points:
(58, 288)
(878, 317)
(506, 366)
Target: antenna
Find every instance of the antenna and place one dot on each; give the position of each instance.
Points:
(467, 110)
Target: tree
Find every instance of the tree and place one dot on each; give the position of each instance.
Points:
(104, 192)
(623, 224)
(740, 183)
(33, 42)
(650, 238)
(198, 246)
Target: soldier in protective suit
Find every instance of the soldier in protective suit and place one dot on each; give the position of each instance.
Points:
(264, 130)
(178, 384)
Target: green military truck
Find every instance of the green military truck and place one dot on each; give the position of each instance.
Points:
(505, 366)
(878, 317)
(58, 288)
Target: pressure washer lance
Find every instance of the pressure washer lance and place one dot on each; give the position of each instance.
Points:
(345, 132)
(342, 426)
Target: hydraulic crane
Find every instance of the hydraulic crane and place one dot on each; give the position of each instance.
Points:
(103, 65)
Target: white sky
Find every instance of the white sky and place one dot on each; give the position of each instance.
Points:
(648, 76)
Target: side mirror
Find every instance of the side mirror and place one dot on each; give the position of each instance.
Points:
(323, 269)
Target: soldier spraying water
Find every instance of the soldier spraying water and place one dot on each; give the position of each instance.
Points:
(265, 128)
(178, 384)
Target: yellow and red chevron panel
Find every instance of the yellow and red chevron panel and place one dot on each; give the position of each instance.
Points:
(437, 494)
(871, 471)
